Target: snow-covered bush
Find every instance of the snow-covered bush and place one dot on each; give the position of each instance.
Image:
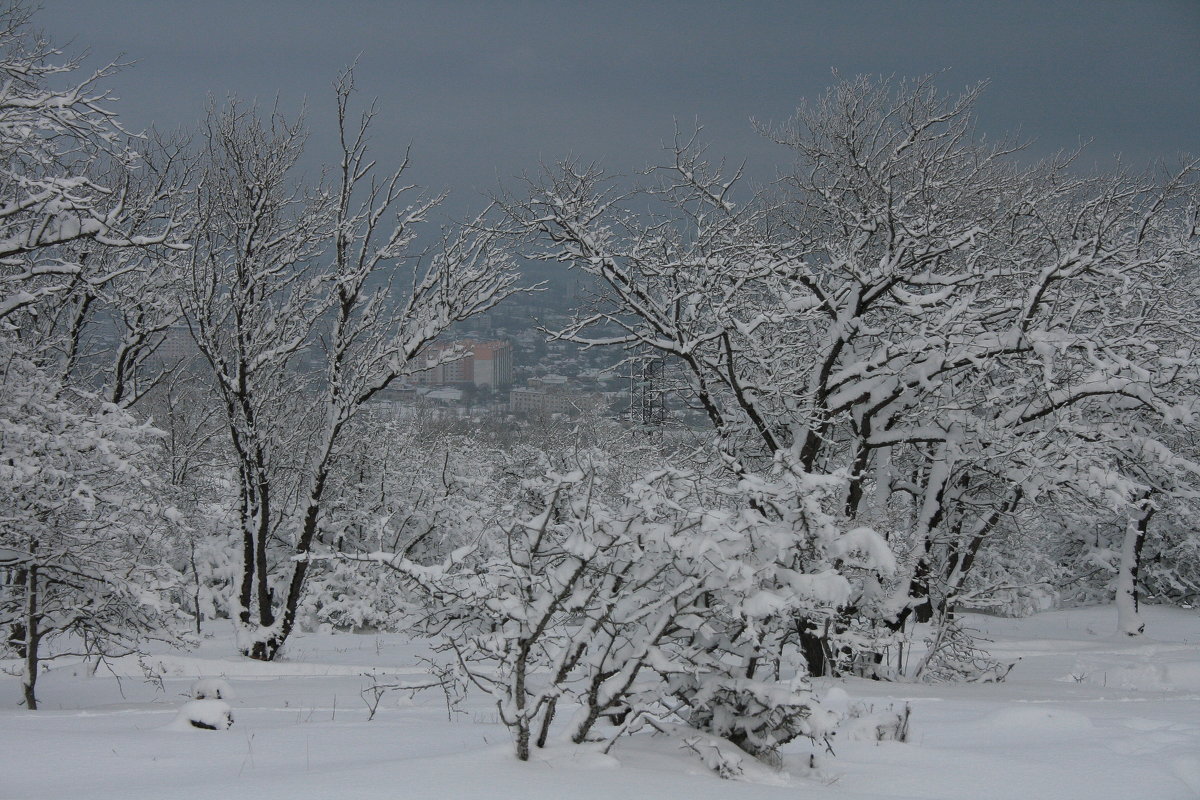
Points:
(1171, 563)
(676, 601)
(789, 570)
(346, 595)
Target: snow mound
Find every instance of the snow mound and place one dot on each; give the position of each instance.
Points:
(1039, 721)
(1161, 670)
(1135, 677)
(210, 714)
(212, 689)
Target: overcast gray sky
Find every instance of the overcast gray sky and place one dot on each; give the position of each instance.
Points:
(486, 90)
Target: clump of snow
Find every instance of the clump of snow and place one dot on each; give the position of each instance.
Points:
(836, 699)
(863, 547)
(212, 689)
(210, 714)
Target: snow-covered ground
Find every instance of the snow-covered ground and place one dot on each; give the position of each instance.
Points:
(1082, 715)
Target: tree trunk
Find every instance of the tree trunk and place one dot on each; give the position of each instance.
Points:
(32, 637)
(246, 590)
(812, 647)
(1129, 620)
(16, 631)
(256, 584)
(266, 599)
(547, 719)
(196, 586)
(308, 533)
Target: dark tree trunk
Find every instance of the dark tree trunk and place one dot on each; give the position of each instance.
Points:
(32, 639)
(812, 647)
(16, 631)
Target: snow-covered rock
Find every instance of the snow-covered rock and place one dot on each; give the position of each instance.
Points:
(209, 714)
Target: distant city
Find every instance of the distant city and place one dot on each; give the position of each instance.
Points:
(505, 362)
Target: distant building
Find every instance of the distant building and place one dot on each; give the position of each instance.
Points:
(524, 400)
(479, 363)
(549, 394)
(444, 396)
(550, 384)
(493, 365)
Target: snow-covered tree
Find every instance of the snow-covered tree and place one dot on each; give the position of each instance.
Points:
(910, 307)
(281, 274)
(84, 544)
(403, 484)
(83, 525)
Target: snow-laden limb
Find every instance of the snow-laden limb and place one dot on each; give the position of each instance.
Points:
(72, 178)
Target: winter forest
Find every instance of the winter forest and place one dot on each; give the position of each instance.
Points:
(928, 471)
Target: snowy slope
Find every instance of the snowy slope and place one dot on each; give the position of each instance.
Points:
(1082, 715)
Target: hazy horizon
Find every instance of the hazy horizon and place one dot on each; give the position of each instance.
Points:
(486, 91)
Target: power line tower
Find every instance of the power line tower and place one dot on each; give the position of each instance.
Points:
(646, 397)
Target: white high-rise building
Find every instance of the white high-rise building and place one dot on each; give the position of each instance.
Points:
(493, 364)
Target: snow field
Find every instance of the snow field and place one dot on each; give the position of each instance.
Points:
(1082, 715)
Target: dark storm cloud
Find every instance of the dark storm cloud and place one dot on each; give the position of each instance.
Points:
(487, 90)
